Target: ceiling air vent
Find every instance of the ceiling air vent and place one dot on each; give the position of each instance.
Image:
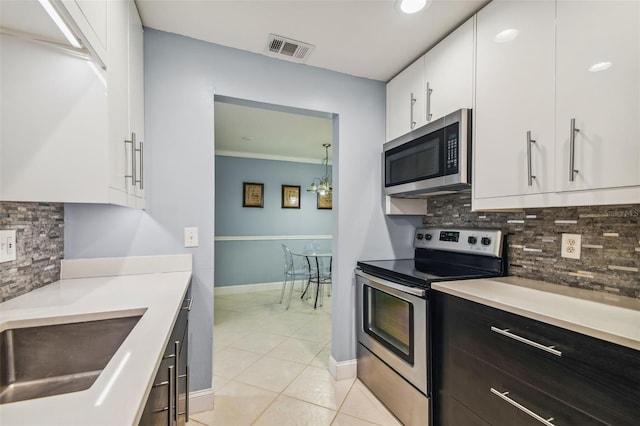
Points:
(288, 49)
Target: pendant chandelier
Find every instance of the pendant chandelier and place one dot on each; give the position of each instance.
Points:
(322, 185)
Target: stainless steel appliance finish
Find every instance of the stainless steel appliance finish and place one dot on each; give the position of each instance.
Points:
(406, 402)
(55, 359)
(394, 319)
(433, 159)
(383, 337)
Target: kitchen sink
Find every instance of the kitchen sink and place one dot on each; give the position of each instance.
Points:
(60, 358)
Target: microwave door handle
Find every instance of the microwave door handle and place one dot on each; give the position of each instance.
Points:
(412, 101)
(429, 92)
(530, 176)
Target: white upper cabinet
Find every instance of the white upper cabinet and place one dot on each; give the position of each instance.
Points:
(543, 67)
(438, 83)
(514, 99)
(598, 86)
(126, 102)
(63, 131)
(406, 101)
(448, 70)
(136, 98)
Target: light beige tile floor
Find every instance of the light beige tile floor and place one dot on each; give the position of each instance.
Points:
(271, 368)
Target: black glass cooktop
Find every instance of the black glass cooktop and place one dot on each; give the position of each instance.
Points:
(420, 273)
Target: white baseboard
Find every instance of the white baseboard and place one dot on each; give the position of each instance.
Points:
(343, 369)
(201, 401)
(245, 288)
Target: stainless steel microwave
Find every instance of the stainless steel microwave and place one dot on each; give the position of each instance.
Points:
(433, 159)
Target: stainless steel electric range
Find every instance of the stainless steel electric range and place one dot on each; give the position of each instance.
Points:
(394, 316)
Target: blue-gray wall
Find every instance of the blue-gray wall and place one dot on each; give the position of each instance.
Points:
(182, 75)
(249, 260)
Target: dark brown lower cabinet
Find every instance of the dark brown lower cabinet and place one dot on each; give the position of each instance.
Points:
(168, 401)
(497, 368)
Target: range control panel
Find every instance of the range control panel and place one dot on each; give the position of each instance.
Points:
(486, 242)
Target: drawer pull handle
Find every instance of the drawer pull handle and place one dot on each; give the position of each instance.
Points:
(503, 395)
(521, 339)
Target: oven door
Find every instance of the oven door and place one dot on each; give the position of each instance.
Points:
(392, 324)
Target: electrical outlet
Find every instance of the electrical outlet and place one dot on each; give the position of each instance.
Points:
(8, 250)
(191, 237)
(571, 246)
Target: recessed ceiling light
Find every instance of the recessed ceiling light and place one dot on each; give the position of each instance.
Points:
(412, 6)
(600, 66)
(506, 35)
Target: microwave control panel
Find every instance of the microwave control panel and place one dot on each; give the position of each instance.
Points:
(451, 151)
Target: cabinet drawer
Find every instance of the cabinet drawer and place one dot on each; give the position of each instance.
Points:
(493, 395)
(552, 359)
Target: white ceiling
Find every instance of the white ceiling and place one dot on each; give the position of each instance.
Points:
(257, 132)
(364, 38)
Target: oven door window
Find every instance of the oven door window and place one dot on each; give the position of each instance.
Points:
(389, 320)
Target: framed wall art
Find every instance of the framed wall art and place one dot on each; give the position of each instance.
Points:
(290, 196)
(252, 194)
(325, 201)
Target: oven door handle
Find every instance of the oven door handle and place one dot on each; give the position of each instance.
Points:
(380, 283)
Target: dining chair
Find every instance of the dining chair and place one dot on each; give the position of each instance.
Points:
(323, 264)
(292, 273)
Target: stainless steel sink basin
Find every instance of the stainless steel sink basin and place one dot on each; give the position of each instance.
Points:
(54, 359)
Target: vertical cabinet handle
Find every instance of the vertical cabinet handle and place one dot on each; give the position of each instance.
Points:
(412, 101)
(172, 391)
(176, 392)
(135, 153)
(140, 151)
(429, 92)
(572, 150)
(133, 158)
(503, 396)
(530, 176)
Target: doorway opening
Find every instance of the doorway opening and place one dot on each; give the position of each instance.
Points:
(275, 151)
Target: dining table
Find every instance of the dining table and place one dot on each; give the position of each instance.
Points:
(316, 255)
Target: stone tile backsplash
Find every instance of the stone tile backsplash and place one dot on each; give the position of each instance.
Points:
(610, 258)
(40, 244)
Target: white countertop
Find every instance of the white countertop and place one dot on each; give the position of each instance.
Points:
(611, 318)
(118, 395)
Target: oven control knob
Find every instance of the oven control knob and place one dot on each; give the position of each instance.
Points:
(485, 241)
(472, 240)
(419, 236)
(427, 237)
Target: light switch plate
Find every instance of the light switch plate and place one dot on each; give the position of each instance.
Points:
(191, 237)
(571, 246)
(8, 249)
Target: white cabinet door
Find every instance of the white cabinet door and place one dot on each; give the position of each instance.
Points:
(406, 100)
(118, 94)
(598, 85)
(448, 70)
(514, 96)
(136, 97)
